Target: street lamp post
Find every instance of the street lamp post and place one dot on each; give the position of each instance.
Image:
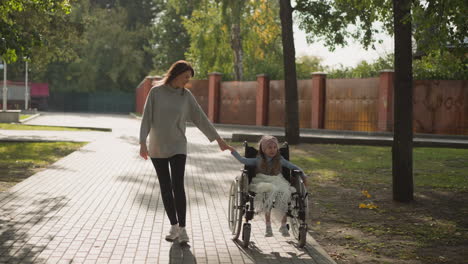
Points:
(26, 92)
(5, 89)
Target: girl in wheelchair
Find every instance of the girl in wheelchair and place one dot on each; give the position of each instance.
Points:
(269, 184)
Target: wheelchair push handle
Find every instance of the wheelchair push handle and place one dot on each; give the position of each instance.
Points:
(297, 174)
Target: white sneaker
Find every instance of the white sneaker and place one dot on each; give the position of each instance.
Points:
(173, 233)
(268, 231)
(183, 237)
(284, 230)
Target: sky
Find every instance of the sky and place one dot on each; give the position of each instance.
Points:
(348, 56)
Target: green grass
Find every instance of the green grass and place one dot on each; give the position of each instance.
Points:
(357, 165)
(20, 160)
(434, 225)
(28, 127)
(432, 167)
(22, 117)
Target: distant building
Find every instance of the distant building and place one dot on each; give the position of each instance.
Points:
(38, 95)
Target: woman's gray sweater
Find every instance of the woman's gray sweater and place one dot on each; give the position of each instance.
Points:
(165, 115)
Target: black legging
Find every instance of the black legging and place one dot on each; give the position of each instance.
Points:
(173, 194)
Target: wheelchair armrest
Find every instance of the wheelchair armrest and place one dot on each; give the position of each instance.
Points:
(298, 183)
(296, 173)
(296, 176)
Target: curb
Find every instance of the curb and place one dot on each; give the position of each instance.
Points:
(104, 129)
(355, 140)
(29, 118)
(42, 140)
(134, 116)
(319, 132)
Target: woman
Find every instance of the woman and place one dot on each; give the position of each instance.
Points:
(168, 107)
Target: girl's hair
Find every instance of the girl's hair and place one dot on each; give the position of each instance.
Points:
(175, 70)
(263, 167)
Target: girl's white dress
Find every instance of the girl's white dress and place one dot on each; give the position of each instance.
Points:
(271, 191)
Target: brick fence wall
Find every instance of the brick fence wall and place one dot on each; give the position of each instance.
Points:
(340, 104)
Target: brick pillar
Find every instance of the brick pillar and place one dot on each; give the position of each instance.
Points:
(263, 89)
(150, 82)
(385, 105)
(142, 92)
(318, 99)
(214, 84)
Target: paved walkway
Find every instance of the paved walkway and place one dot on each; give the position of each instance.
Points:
(101, 204)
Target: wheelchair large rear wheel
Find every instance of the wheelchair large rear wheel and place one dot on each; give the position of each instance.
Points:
(298, 226)
(235, 209)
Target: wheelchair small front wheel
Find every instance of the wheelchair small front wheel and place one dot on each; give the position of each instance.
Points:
(297, 220)
(246, 229)
(302, 239)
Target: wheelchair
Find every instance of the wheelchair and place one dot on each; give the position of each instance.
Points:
(241, 201)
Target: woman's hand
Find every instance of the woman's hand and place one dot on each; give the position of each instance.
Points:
(143, 151)
(222, 144)
(231, 148)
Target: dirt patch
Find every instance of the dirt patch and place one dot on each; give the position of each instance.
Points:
(431, 229)
(353, 215)
(10, 177)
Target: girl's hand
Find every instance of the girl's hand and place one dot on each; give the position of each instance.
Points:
(231, 148)
(143, 151)
(222, 144)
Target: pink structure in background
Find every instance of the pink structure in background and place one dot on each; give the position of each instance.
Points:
(338, 104)
(39, 90)
(38, 95)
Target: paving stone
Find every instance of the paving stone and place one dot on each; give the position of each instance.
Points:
(101, 204)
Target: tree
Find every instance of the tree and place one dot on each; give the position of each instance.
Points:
(232, 15)
(33, 23)
(290, 77)
(402, 147)
(262, 40)
(440, 25)
(210, 41)
(110, 55)
(436, 24)
(170, 40)
(308, 64)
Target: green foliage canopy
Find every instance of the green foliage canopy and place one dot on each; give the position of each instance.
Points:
(25, 24)
(210, 49)
(170, 40)
(437, 24)
(111, 55)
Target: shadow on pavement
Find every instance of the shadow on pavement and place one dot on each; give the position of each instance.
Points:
(256, 255)
(16, 245)
(181, 254)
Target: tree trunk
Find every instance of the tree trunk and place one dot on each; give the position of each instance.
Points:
(290, 80)
(236, 45)
(402, 149)
(236, 7)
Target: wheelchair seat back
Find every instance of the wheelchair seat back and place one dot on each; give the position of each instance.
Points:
(251, 152)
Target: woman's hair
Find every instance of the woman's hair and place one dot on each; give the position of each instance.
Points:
(263, 167)
(177, 69)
